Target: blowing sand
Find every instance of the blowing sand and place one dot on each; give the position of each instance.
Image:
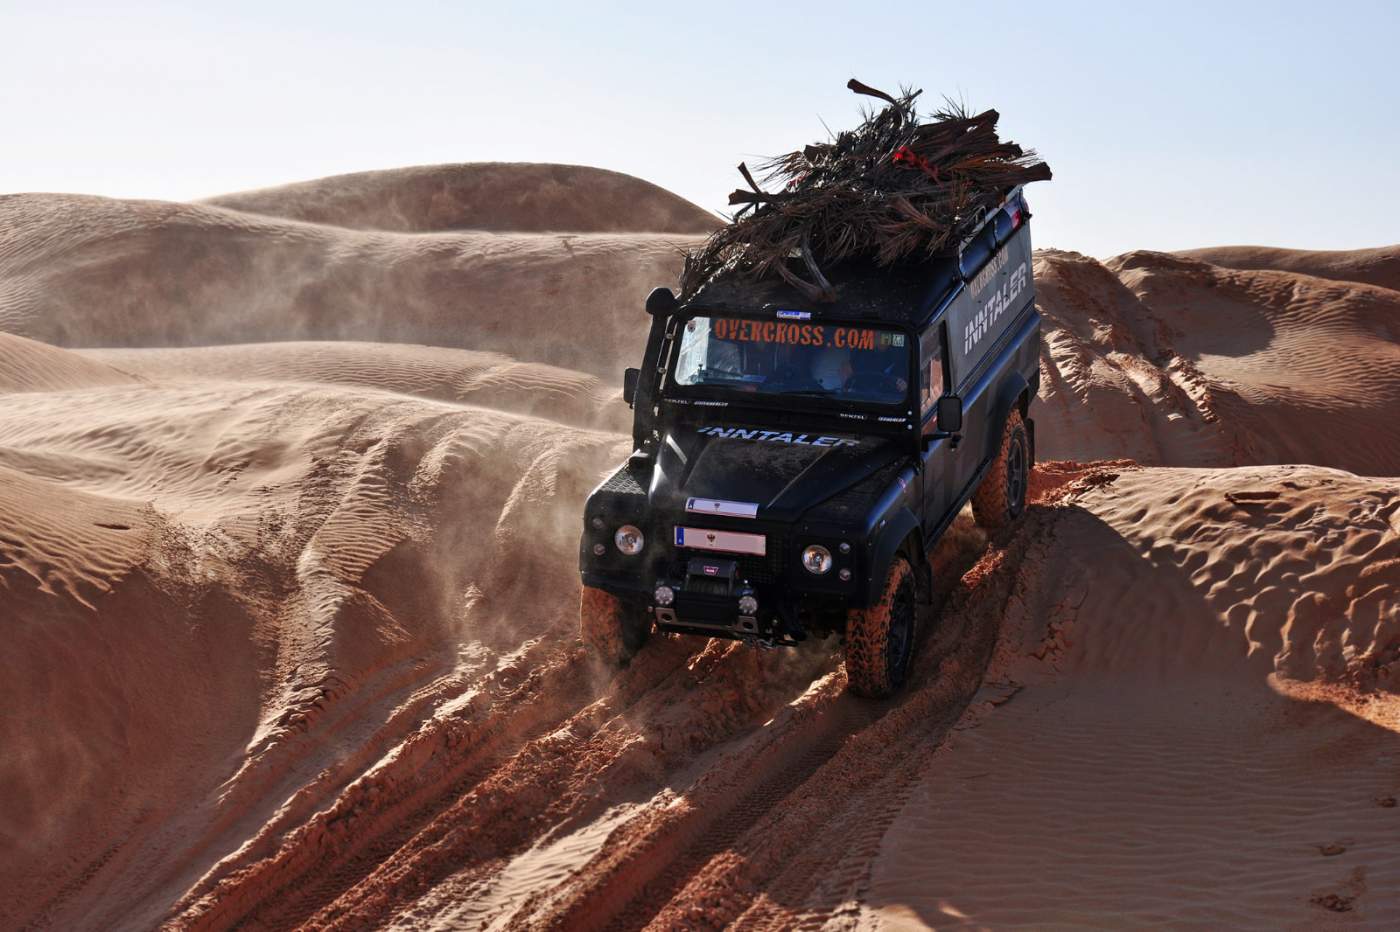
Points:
(290, 626)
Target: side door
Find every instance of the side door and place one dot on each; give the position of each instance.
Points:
(939, 457)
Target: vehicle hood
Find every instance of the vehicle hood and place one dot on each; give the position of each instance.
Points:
(784, 473)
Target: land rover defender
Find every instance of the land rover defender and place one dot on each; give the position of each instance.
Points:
(795, 462)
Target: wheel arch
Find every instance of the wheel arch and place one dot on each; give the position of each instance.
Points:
(901, 536)
(1013, 394)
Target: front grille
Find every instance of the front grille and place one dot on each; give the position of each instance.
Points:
(766, 569)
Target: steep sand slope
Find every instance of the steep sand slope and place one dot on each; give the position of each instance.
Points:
(1136, 758)
(1379, 267)
(713, 785)
(515, 197)
(87, 271)
(1173, 361)
(217, 596)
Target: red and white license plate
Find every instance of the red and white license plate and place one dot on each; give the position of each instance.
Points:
(724, 541)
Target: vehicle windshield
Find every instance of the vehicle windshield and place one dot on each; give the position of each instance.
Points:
(779, 357)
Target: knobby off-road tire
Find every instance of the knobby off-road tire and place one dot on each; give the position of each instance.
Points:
(612, 630)
(880, 638)
(1001, 498)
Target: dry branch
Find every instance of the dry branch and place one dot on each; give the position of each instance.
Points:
(891, 189)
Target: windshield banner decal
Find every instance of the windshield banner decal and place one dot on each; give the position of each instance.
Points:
(770, 331)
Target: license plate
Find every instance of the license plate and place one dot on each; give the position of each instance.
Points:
(715, 506)
(723, 541)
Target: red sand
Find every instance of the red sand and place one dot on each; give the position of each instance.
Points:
(290, 625)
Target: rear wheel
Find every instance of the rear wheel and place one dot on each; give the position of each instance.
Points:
(880, 638)
(612, 630)
(1001, 498)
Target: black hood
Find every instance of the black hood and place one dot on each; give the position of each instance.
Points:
(784, 473)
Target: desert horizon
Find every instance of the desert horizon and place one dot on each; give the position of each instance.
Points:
(292, 489)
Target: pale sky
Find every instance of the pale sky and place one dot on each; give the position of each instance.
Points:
(1195, 124)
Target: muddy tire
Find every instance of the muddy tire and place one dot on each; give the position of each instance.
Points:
(880, 638)
(612, 630)
(1001, 497)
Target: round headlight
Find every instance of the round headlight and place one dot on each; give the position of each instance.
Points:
(629, 540)
(817, 559)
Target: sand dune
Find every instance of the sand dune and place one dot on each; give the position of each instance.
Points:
(1176, 362)
(291, 625)
(1379, 267)
(1146, 759)
(513, 197)
(31, 366)
(311, 560)
(86, 271)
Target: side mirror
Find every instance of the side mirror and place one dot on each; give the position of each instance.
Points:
(950, 414)
(630, 377)
(660, 302)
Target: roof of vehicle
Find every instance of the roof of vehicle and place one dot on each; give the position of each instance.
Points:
(908, 292)
(905, 293)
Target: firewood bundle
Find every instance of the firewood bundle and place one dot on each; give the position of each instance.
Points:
(893, 188)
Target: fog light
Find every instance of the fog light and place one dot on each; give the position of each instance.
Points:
(748, 605)
(597, 524)
(664, 595)
(599, 550)
(845, 547)
(845, 575)
(817, 559)
(629, 540)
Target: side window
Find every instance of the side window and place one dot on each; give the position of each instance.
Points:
(931, 373)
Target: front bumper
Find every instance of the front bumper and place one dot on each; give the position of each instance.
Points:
(791, 601)
(711, 606)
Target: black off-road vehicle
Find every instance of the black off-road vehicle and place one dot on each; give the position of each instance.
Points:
(794, 462)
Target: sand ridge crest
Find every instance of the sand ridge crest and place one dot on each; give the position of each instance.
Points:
(501, 197)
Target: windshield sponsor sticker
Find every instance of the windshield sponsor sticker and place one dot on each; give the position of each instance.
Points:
(777, 436)
(739, 330)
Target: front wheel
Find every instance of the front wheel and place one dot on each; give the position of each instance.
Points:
(612, 630)
(1001, 497)
(880, 638)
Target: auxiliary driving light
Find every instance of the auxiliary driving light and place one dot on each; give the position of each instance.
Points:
(664, 595)
(748, 605)
(817, 559)
(629, 540)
